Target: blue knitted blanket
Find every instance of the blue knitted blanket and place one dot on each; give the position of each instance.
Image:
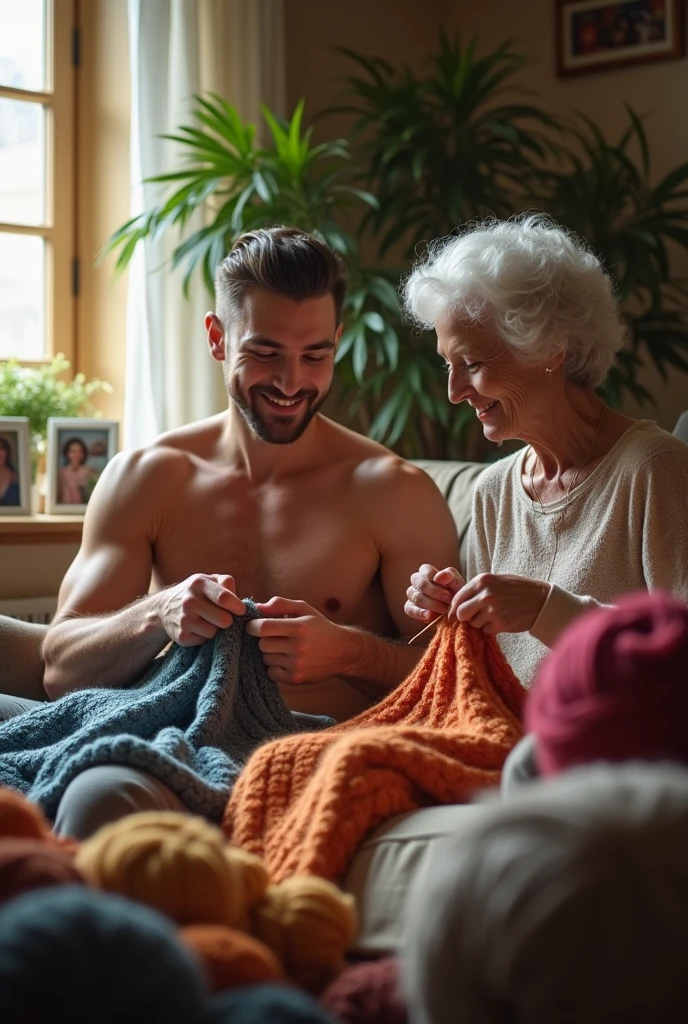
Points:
(192, 721)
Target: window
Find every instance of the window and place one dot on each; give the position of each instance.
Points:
(37, 178)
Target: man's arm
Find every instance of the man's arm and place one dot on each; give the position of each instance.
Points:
(409, 520)
(412, 519)
(105, 633)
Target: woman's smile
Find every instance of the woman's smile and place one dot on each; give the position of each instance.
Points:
(483, 411)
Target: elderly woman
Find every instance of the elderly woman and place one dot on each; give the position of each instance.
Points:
(594, 505)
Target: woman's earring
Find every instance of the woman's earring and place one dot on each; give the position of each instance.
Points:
(547, 369)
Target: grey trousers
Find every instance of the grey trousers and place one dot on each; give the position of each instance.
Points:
(10, 707)
(101, 794)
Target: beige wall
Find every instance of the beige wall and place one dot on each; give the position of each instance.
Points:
(658, 90)
(398, 30)
(33, 570)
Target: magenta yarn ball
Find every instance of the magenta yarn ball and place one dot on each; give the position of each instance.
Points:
(367, 993)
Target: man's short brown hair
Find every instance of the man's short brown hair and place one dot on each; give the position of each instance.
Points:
(285, 261)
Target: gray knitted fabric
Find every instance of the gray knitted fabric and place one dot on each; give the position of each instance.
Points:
(192, 722)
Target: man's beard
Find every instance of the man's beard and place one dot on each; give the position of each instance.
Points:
(277, 431)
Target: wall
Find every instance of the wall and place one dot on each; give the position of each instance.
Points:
(398, 30)
(658, 90)
(34, 569)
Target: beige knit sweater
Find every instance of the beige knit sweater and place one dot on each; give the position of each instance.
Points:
(625, 529)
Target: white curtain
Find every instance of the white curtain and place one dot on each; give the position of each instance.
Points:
(178, 48)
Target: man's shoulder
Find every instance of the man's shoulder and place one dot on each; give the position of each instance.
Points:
(172, 453)
(146, 464)
(167, 462)
(380, 482)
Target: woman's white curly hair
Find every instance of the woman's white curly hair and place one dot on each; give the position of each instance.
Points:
(540, 286)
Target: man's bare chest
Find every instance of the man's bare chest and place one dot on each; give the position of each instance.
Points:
(306, 544)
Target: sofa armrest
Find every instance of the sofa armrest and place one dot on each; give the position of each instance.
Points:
(21, 661)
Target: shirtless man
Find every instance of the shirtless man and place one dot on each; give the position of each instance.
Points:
(270, 500)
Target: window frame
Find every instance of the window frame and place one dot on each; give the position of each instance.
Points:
(59, 229)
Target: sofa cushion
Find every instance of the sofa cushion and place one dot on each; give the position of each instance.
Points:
(386, 865)
(456, 481)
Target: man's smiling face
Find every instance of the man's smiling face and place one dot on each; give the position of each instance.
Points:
(279, 362)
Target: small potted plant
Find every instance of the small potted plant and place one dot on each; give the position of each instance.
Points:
(39, 392)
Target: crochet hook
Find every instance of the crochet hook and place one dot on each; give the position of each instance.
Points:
(425, 628)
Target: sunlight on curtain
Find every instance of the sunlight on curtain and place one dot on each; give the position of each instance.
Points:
(178, 48)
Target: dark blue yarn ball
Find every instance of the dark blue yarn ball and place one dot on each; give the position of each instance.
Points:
(266, 1004)
(76, 955)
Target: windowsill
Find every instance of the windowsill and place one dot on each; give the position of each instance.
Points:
(40, 529)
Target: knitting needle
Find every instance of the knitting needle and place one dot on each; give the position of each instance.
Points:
(425, 628)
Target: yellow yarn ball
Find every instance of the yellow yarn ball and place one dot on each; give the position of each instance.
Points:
(179, 864)
(309, 923)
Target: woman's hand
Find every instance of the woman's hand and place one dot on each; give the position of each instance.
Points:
(431, 592)
(499, 603)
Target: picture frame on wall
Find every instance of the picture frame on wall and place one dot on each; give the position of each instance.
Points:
(15, 466)
(595, 35)
(78, 451)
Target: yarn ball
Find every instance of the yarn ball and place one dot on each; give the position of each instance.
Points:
(27, 864)
(20, 818)
(231, 958)
(614, 687)
(266, 1004)
(367, 993)
(178, 864)
(309, 923)
(74, 954)
(566, 903)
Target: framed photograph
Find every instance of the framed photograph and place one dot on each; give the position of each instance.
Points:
(78, 452)
(597, 34)
(15, 466)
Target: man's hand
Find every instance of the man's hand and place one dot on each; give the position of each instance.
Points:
(298, 644)
(198, 608)
(431, 592)
(500, 603)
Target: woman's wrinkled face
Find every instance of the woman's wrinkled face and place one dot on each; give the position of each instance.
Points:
(505, 392)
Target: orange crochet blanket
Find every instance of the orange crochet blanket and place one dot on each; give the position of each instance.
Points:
(305, 802)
